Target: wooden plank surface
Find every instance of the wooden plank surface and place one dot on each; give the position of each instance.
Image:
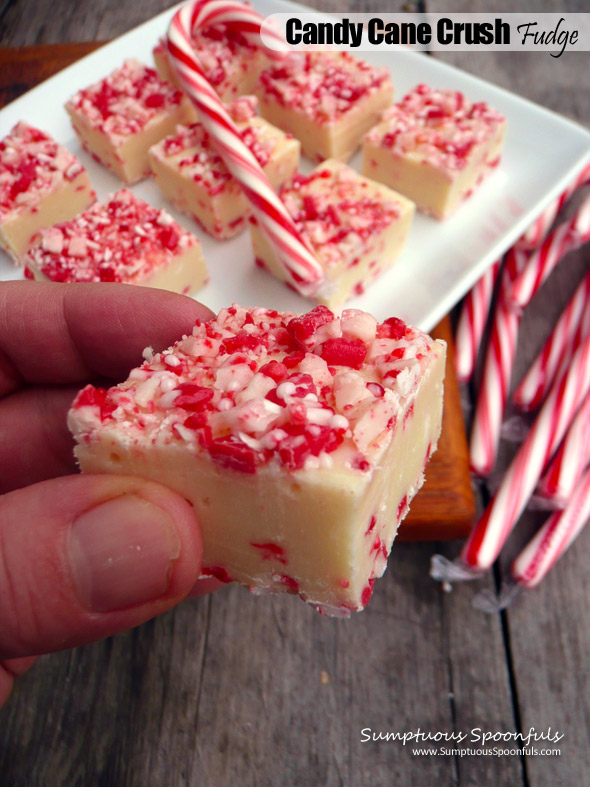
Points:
(445, 507)
(548, 630)
(236, 690)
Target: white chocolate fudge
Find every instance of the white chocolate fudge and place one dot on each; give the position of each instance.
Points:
(40, 183)
(119, 118)
(194, 178)
(435, 147)
(300, 442)
(355, 227)
(231, 63)
(328, 100)
(124, 240)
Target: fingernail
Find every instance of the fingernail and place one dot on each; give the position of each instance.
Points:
(121, 553)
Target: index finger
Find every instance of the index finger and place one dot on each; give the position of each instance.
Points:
(69, 333)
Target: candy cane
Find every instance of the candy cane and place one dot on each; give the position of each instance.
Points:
(477, 302)
(472, 322)
(554, 538)
(299, 264)
(571, 327)
(542, 224)
(567, 237)
(492, 530)
(570, 461)
(491, 401)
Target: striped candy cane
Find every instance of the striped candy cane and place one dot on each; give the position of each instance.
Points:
(567, 237)
(570, 329)
(554, 538)
(493, 394)
(477, 302)
(472, 322)
(300, 265)
(570, 461)
(542, 224)
(492, 530)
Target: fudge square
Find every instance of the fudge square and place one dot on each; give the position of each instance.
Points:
(40, 183)
(300, 442)
(231, 63)
(124, 240)
(435, 147)
(119, 118)
(194, 178)
(355, 227)
(328, 100)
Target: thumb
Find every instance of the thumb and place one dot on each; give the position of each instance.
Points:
(83, 557)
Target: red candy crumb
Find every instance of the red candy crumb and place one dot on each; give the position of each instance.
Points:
(219, 572)
(231, 454)
(344, 352)
(303, 329)
(271, 551)
(367, 593)
(291, 583)
(402, 506)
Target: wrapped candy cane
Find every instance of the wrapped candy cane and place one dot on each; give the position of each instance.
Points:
(300, 265)
(554, 538)
(542, 224)
(477, 302)
(571, 327)
(570, 461)
(491, 402)
(567, 237)
(472, 322)
(492, 530)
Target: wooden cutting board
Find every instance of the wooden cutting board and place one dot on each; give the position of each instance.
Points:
(444, 508)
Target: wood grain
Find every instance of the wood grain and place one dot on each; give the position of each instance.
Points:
(444, 508)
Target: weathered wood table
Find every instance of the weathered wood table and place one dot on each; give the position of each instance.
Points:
(235, 690)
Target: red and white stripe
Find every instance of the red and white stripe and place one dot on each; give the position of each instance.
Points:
(570, 461)
(300, 265)
(570, 329)
(567, 237)
(492, 530)
(477, 302)
(554, 538)
(542, 224)
(472, 322)
(495, 384)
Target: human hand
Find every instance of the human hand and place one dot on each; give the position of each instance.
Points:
(81, 556)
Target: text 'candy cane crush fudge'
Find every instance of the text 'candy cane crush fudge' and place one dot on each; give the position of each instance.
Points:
(194, 178)
(355, 227)
(435, 147)
(40, 183)
(300, 442)
(328, 100)
(124, 240)
(230, 62)
(119, 118)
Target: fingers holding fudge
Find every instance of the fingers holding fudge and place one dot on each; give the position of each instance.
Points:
(35, 442)
(86, 556)
(55, 334)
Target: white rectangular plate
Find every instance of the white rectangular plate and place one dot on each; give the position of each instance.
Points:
(440, 262)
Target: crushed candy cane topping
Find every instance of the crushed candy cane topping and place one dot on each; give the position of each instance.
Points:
(124, 102)
(196, 158)
(256, 387)
(122, 239)
(32, 165)
(438, 126)
(223, 51)
(338, 212)
(323, 85)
